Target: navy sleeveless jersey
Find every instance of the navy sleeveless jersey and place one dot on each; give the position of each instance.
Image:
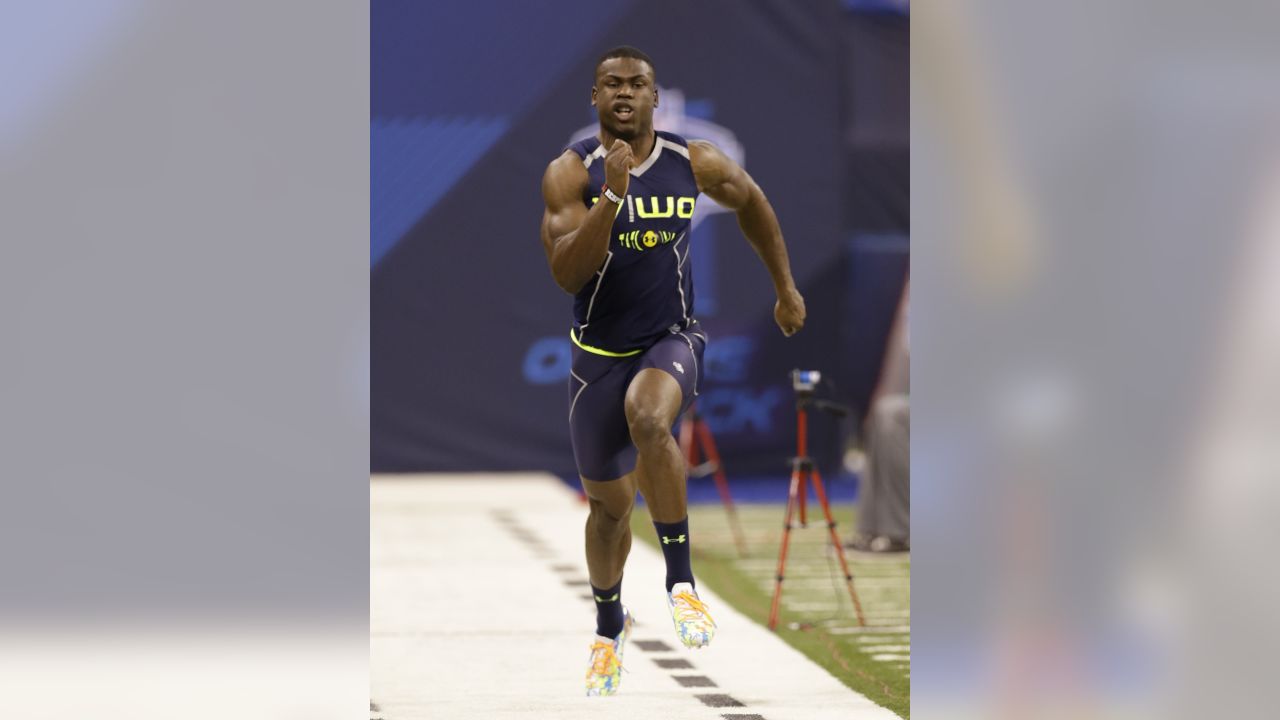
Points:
(644, 288)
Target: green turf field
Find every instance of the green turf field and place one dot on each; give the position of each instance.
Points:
(817, 615)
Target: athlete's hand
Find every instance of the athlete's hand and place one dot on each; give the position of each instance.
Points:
(617, 167)
(789, 311)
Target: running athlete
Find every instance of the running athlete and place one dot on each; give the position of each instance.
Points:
(616, 234)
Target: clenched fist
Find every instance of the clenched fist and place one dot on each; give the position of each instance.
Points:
(617, 167)
(789, 312)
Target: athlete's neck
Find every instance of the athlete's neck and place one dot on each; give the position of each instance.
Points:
(641, 147)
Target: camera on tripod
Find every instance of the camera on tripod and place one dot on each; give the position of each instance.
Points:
(804, 472)
(804, 381)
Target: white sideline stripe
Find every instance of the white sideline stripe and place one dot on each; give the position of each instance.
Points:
(684, 308)
(814, 548)
(816, 577)
(445, 576)
(693, 354)
(890, 658)
(574, 404)
(819, 566)
(844, 605)
(845, 613)
(894, 584)
(873, 629)
(592, 303)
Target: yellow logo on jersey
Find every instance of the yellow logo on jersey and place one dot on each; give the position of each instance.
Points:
(665, 207)
(661, 207)
(636, 240)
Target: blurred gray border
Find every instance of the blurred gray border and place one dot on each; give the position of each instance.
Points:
(184, 303)
(1094, 358)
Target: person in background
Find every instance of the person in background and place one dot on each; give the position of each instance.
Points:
(884, 510)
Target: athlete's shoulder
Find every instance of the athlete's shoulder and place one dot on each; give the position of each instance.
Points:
(710, 165)
(671, 138)
(585, 147)
(705, 158)
(674, 145)
(704, 149)
(564, 178)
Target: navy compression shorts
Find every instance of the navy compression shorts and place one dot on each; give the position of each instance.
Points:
(598, 385)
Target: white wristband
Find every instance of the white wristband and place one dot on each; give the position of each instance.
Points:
(613, 197)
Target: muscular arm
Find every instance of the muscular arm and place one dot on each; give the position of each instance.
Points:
(575, 239)
(727, 183)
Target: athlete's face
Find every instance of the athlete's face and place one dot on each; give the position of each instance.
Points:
(624, 97)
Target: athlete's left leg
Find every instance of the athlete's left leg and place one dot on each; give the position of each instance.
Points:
(653, 402)
(664, 385)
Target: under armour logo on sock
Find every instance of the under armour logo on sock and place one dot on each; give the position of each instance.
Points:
(667, 540)
(678, 366)
(600, 599)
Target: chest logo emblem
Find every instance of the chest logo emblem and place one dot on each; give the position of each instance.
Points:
(647, 240)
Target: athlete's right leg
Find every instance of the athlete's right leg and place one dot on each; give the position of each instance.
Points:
(608, 531)
(598, 429)
(608, 541)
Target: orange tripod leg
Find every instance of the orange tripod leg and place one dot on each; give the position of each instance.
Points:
(786, 541)
(722, 483)
(803, 500)
(802, 456)
(835, 541)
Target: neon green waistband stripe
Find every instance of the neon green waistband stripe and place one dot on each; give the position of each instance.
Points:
(599, 351)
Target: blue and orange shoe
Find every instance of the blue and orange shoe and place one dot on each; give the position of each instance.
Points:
(604, 674)
(693, 621)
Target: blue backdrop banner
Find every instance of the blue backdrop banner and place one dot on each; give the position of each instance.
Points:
(470, 350)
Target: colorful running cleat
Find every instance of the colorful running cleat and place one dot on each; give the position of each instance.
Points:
(692, 619)
(604, 674)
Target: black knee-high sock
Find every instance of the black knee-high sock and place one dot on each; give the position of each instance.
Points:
(675, 548)
(609, 617)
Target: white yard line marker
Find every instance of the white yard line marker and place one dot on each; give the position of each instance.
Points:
(870, 629)
(878, 639)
